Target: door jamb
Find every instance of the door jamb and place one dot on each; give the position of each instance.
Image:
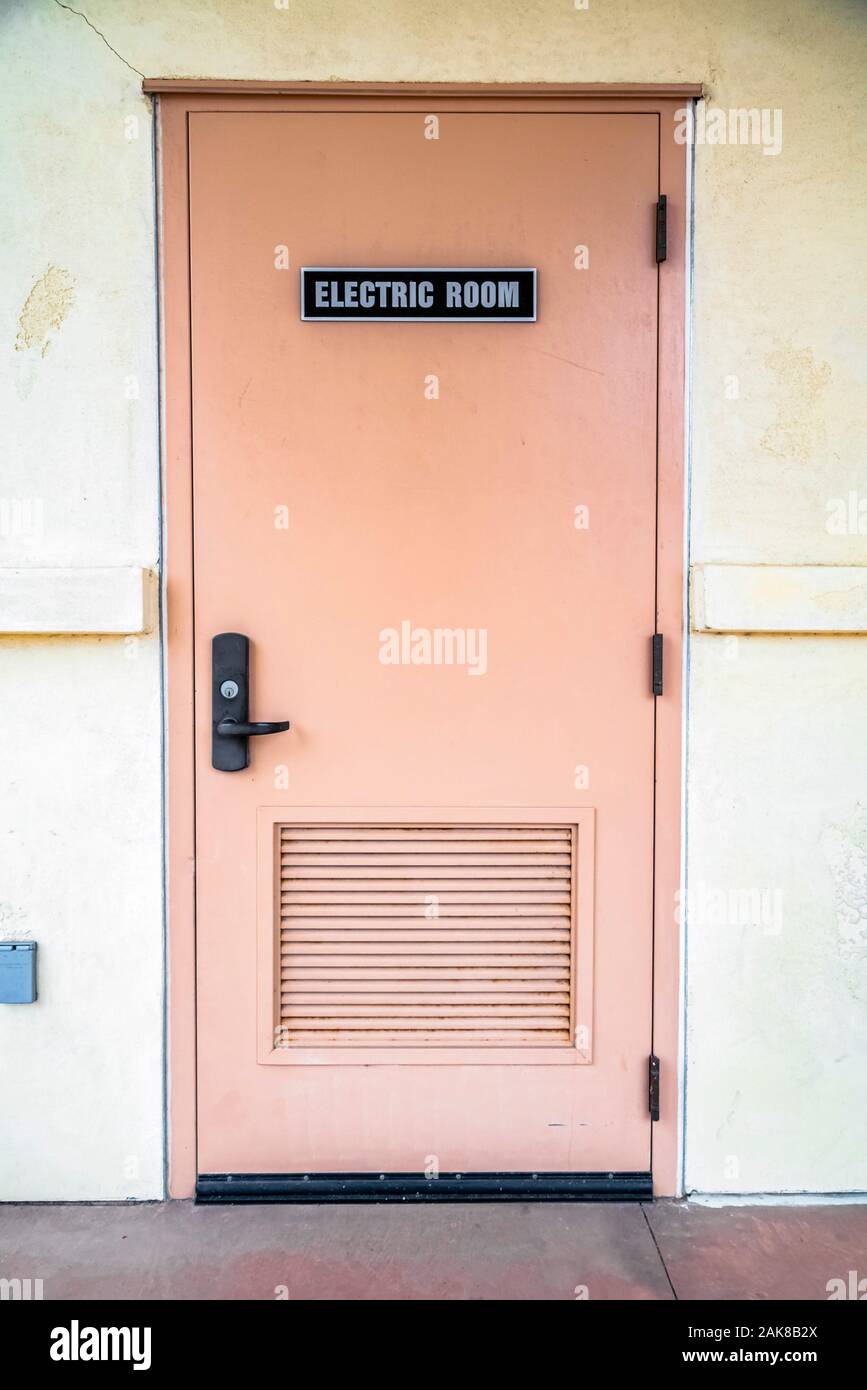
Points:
(176, 99)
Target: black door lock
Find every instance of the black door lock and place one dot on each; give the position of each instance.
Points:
(230, 704)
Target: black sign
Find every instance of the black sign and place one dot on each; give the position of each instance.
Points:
(379, 295)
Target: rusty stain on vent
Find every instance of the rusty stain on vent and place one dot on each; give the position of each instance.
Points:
(459, 934)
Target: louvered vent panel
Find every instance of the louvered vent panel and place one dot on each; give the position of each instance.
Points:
(401, 934)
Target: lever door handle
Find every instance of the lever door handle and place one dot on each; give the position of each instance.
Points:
(237, 728)
(231, 725)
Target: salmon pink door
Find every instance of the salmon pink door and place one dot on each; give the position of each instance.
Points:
(425, 911)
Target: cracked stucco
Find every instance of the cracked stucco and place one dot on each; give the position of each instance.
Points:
(100, 35)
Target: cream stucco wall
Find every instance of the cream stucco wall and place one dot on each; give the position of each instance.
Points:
(776, 995)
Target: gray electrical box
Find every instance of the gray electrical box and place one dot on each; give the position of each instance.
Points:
(17, 972)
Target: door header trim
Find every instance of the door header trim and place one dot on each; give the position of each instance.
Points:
(199, 86)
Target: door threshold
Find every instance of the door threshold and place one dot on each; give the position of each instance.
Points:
(240, 1188)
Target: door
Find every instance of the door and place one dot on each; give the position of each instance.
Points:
(424, 912)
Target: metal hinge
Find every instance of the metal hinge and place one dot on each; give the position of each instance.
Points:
(656, 663)
(661, 228)
(653, 1087)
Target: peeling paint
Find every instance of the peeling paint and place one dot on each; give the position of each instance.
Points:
(845, 852)
(843, 601)
(45, 308)
(798, 429)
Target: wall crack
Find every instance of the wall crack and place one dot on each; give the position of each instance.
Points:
(100, 35)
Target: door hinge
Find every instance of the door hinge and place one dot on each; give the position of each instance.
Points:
(653, 1087)
(661, 228)
(656, 663)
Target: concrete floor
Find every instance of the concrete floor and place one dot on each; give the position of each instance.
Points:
(670, 1249)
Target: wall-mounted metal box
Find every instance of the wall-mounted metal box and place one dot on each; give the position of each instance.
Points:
(17, 972)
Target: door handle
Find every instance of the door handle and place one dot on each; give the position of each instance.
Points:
(230, 704)
(233, 728)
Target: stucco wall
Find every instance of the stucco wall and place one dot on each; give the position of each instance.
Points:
(777, 759)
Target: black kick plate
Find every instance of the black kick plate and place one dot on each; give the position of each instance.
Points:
(414, 1187)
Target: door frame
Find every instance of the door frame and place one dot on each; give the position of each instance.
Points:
(175, 100)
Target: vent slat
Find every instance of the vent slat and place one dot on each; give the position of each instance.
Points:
(475, 1000)
(423, 990)
(316, 952)
(524, 976)
(408, 874)
(464, 856)
(361, 961)
(302, 967)
(352, 910)
(424, 954)
(412, 928)
(490, 896)
(383, 1019)
(430, 1017)
(487, 1035)
(425, 938)
(420, 834)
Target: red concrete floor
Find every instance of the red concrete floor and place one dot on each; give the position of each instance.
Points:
(177, 1251)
